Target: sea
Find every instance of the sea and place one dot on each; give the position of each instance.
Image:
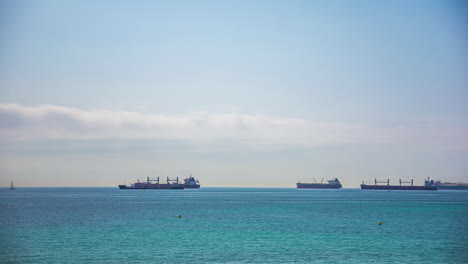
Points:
(232, 225)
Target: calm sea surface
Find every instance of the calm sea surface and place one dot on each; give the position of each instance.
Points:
(232, 225)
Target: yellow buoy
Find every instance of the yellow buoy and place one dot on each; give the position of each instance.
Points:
(180, 216)
(379, 222)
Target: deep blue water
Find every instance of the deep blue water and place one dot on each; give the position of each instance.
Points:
(232, 225)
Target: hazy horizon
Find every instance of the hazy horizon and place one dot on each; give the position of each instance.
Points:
(239, 94)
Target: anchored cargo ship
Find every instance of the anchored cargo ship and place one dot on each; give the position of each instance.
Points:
(332, 184)
(429, 185)
(155, 184)
(451, 185)
(191, 183)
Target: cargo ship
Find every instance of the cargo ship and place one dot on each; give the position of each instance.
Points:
(172, 184)
(332, 184)
(429, 185)
(191, 183)
(451, 185)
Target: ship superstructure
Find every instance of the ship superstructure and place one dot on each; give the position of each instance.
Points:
(191, 183)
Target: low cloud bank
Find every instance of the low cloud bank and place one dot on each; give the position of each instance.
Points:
(18, 122)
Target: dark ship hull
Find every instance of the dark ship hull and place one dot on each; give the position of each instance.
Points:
(154, 184)
(191, 186)
(398, 187)
(318, 186)
(429, 185)
(152, 187)
(332, 184)
(172, 184)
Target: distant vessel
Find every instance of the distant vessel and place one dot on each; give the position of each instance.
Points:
(332, 184)
(12, 187)
(429, 185)
(451, 185)
(155, 184)
(191, 183)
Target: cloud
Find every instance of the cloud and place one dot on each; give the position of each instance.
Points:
(50, 122)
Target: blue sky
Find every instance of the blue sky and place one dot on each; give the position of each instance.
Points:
(240, 93)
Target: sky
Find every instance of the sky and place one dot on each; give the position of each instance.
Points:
(237, 93)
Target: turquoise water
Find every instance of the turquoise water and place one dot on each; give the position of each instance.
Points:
(232, 225)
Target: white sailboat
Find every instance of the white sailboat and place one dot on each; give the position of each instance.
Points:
(12, 187)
